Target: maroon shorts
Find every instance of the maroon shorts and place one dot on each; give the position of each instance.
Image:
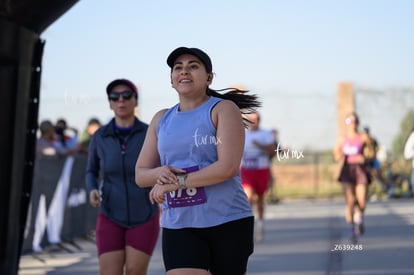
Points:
(354, 174)
(256, 179)
(112, 237)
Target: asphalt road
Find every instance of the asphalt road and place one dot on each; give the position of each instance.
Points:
(302, 238)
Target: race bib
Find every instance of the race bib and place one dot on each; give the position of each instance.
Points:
(189, 196)
(350, 150)
(250, 163)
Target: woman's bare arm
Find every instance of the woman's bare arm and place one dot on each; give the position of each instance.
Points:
(148, 162)
(337, 152)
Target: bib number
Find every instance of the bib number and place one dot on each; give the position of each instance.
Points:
(250, 163)
(187, 197)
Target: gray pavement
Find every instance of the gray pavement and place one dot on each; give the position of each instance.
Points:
(302, 238)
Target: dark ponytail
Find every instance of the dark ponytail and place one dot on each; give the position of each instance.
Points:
(246, 103)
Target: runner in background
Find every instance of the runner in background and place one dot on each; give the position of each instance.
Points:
(354, 175)
(409, 154)
(259, 148)
(372, 161)
(127, 225)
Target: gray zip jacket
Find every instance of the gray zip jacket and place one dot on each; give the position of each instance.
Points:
(111, 169)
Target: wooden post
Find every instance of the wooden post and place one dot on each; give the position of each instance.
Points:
(345, 104)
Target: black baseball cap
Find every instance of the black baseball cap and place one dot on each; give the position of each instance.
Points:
(121, 81)
(193, 51)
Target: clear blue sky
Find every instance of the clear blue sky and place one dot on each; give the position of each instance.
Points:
(292, 53)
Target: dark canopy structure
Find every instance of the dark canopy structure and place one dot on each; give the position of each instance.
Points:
(21, 51)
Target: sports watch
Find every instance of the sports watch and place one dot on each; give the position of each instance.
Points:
(181, 180)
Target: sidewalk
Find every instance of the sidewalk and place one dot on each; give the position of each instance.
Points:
(302, 238)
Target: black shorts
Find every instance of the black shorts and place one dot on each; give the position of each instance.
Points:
(222, 249)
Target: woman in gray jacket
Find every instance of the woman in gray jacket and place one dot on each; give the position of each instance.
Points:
(127, 224)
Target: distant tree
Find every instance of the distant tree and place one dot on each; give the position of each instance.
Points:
(406, 127)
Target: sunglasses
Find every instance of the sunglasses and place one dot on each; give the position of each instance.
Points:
(349, 120)
(125, 95)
